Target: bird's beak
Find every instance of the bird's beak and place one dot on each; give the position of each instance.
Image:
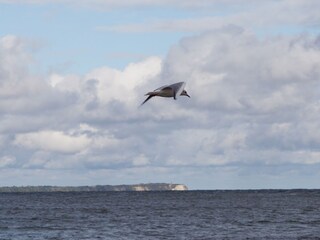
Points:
(188, 95)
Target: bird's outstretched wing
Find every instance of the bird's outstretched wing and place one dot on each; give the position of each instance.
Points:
(177, 88)
(162, 88)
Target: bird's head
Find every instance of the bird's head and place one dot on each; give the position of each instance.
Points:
(184, 93)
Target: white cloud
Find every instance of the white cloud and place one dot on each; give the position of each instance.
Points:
(245, 86)
(53, 141)
(38, 160)
(244, 70)
(7, 161)
(105, 142)
(122, 86)
(140, 160)
(253, 103)
(20, 90)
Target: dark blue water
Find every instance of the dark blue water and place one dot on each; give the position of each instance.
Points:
(293, 214)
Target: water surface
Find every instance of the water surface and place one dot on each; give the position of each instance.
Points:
(265, 214)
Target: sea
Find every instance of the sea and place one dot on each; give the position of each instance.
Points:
(233, 214)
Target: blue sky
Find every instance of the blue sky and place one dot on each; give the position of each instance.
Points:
(70, 35)
(72, 38)
(73, 73)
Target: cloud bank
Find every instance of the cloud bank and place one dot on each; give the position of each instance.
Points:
(254, 102)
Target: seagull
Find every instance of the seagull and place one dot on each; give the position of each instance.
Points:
(173, 90)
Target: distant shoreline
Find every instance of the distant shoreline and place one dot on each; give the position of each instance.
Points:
(98, 188)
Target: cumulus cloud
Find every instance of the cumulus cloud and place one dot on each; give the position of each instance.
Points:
(251, 86)
(20, 90)
(253, 102)
(113, 85)
(59, 115)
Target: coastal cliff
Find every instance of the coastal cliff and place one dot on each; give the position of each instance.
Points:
(99, 188)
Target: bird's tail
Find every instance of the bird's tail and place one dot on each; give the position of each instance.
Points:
(148, 98)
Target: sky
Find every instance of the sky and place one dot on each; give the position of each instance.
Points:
(74, 72)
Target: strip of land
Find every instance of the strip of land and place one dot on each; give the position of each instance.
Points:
(98, 188)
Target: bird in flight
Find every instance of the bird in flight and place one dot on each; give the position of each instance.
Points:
(173, 90)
